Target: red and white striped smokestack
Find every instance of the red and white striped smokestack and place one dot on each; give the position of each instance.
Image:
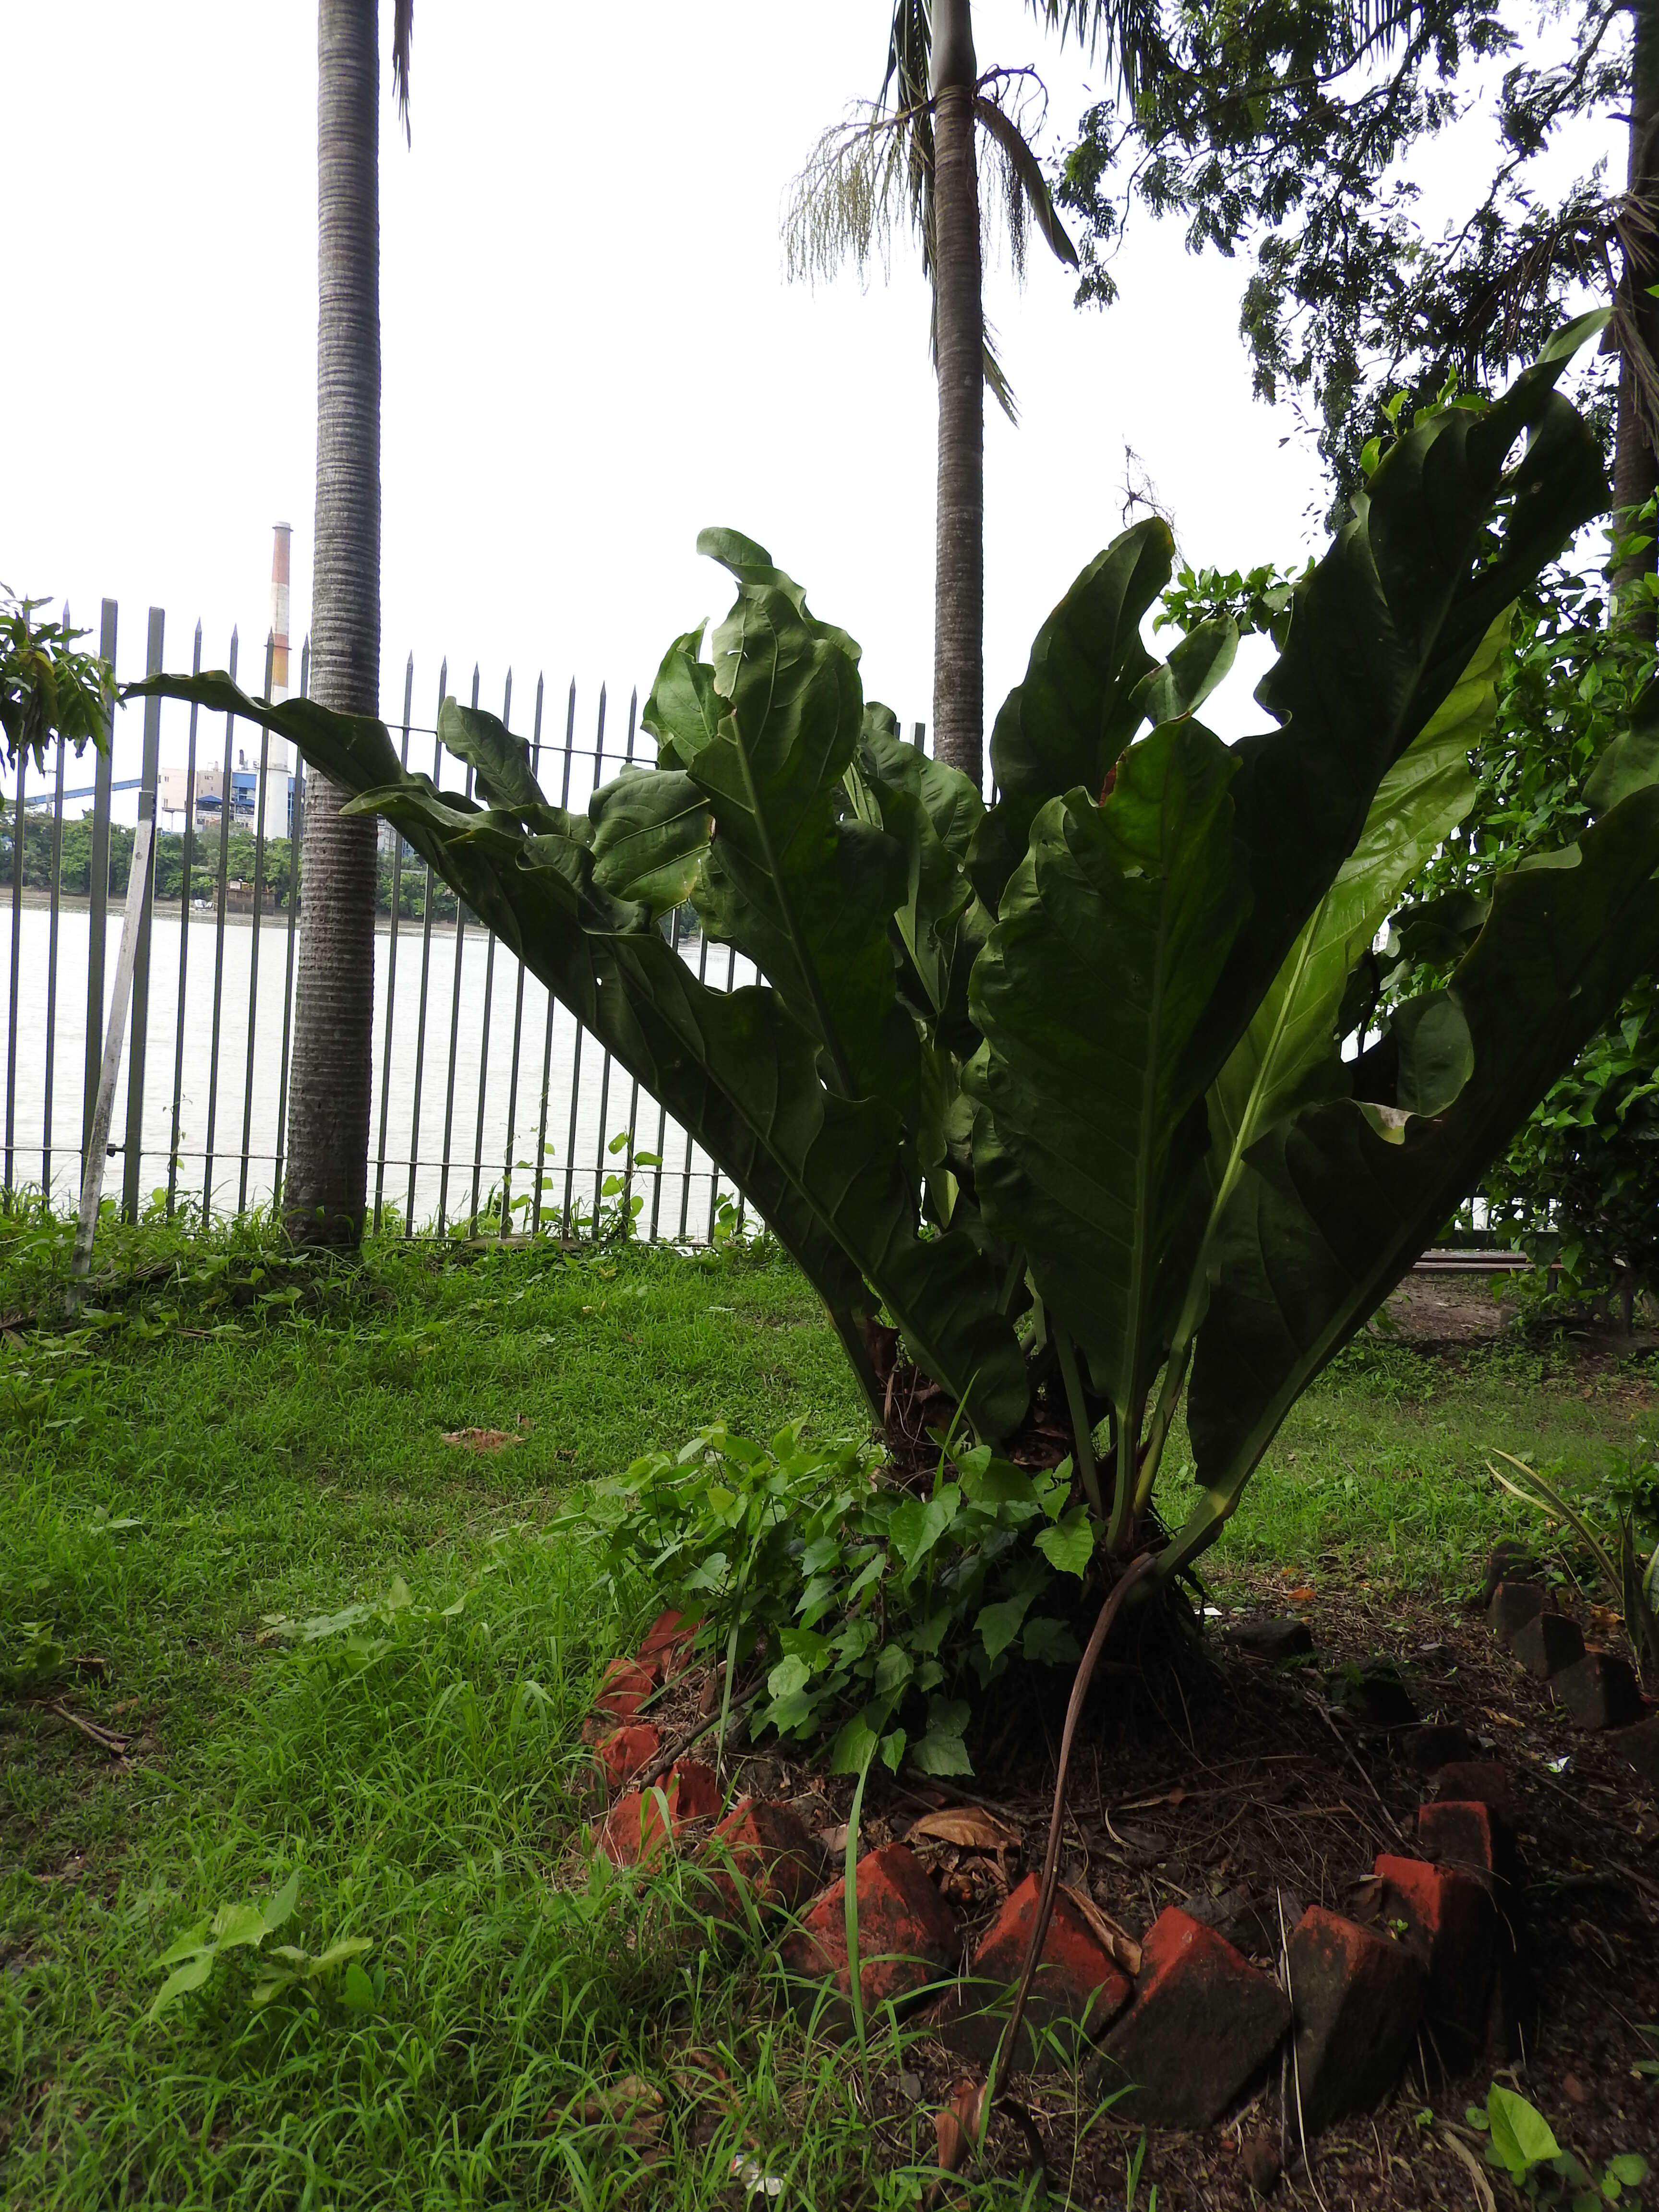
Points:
(279, 611)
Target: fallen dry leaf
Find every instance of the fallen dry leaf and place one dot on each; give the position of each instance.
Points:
(480, 1440)
(969, 1826)
(631, 2105)
(1121, 1948)
(1502, 1719)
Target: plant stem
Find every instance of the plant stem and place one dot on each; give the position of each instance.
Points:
(1082, 1433)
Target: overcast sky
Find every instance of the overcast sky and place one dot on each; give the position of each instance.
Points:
(589, 347)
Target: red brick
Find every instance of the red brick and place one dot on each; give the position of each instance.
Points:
(625, 1688)
(1203, 2022)
(1451, 1923)
(907, 1938)
(1076, 1991)
(766, 1848)
(1468, 1835)
(1357, 1998)
(626, 1750)
(667, 1645)
(634, 1830)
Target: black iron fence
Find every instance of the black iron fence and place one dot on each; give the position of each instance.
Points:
(493, 1111)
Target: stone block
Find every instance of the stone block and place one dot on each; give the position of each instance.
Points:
(1601, 1690)
(1290, 1637)
(634, 1830)
(1374, 1695)
(1639, 1747)
(906, 1939)
(1508, 1561)
(1450, 1920)
(626, 1750)
(1514, 1604)
(1546, 1644)
(767, 1849)
(1076, 1992)
(1357, 1997)
(1204, 2021)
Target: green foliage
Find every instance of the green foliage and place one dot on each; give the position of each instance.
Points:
(1286, 136)
(1521, 2143)
(47, 689)
(1623, 1550)
(1048, 1095)
(875, 1605)
(193, 1955)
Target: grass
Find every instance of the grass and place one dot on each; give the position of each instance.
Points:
(223, 1441)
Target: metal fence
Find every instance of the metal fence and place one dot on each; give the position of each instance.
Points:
(539, 1132)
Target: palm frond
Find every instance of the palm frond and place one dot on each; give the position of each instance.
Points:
(909, 54)
(402, 32)
(1026, 188)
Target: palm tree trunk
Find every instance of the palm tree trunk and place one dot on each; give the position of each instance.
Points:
(959, 568)
(323, 1202)
(1635, 465)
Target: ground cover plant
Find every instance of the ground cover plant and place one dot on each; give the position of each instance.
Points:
(1046, 1099)
(261, 1620)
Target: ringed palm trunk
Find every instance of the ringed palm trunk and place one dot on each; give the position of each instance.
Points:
(959, 570)
(322, 1200)
(1635, 464)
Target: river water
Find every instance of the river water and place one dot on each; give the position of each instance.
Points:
(243, 1092)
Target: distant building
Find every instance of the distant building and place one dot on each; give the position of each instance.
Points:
(203, 808)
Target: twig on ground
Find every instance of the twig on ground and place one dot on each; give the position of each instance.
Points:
(105, 1739)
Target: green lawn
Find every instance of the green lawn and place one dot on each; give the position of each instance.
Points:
(224, 1442)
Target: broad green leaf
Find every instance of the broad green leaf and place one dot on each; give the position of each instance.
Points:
(997, 1625)
(1049, 1643)
(893, 1671)
(1519, 2129)
(1069, 1545)
(940, 1755)
(186, 1946)
(651, 830)
(190, 1976)
(349, 1947)
(1292, 1035)
(279, 1907)
(1067, 723)
(500, 760)
(790, 1675)
(357, 1990)
(854, 1747)
(930, 811)
(806, 894)
(917, 1526)
(1191, 673)
(236, 1925)
(1382, 633)
(1328, 1216)
(1631, 761)
(1113, 932)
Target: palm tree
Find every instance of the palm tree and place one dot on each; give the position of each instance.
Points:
(326, 1189)
(915, 149)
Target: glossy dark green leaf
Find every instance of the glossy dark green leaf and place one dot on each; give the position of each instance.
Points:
(1067, 723)
(500, 762)
(1113, 932)
(651, 831)
(1329, 1214)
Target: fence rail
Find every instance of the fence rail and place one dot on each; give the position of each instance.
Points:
(539, 1130)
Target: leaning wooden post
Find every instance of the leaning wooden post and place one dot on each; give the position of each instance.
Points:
(92, 1184)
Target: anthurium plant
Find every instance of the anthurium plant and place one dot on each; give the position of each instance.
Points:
(1049, 1098)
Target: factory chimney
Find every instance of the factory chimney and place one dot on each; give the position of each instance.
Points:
(279, 611)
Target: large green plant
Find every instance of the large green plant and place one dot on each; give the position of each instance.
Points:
(1050, 1088)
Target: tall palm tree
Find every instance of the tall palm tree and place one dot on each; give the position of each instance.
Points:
(916, 149)
(326, 1190)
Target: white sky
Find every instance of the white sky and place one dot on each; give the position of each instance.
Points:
(589, 347)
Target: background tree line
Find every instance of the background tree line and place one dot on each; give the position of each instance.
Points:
(277, 875)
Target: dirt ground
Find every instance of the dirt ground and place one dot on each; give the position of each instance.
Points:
(1433, 1308)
